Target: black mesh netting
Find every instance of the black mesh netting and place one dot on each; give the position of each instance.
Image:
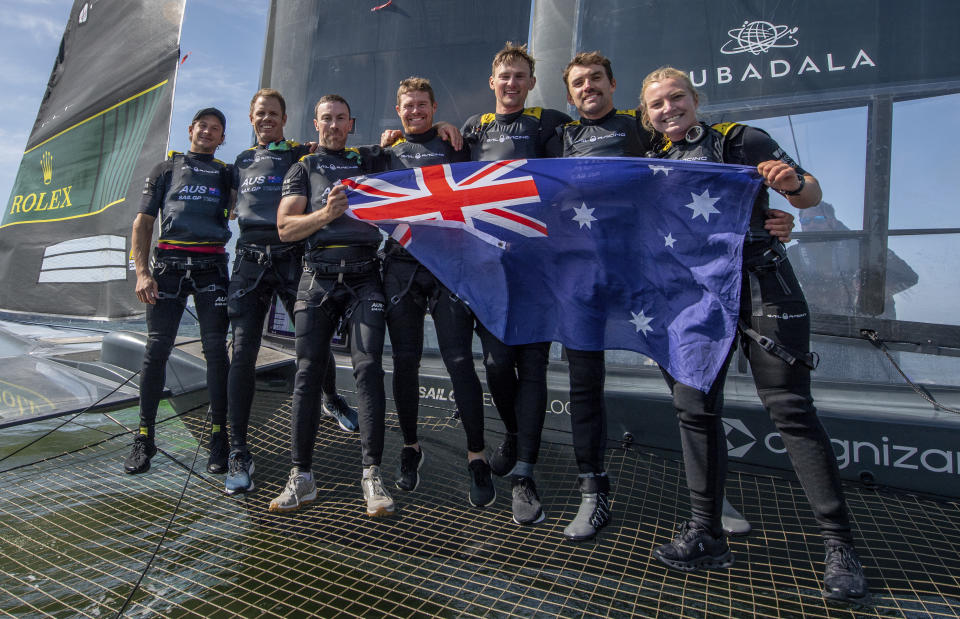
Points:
(76, 534)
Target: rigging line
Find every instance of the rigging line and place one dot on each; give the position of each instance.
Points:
(87, 409)
(922, 391)
(793, 134)
(102, 441)
(166, 530)
(66, 421)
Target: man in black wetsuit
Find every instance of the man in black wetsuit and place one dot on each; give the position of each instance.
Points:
(516, 375)
(341, 279)
(601, 131)
(264, 266)
(411, 290)
(191, 194)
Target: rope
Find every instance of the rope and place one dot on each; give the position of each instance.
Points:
(126, 431)
(166, 530)
(874, 338)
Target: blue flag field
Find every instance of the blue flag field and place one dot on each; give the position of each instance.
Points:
(595, 253)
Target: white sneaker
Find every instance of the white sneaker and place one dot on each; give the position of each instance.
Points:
(298, 492)
(379, 501)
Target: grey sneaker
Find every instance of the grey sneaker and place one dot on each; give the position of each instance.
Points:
(594, 511)
(345, 416)
(297, 493)
(379, 501)
(526, 501)
(239, 472)
(732, 521)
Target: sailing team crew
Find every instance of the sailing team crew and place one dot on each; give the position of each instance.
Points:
(190, 193)
(341, 277)
(265, 265)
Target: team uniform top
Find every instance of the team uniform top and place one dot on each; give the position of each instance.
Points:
(734, 143)
(191, 195)
(422, 149)
(530, 133)
(315, 175)
(617, 134)
(258, 179)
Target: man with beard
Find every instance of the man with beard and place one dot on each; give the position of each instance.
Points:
(341, 279)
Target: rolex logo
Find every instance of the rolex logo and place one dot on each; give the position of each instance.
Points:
(46, 164)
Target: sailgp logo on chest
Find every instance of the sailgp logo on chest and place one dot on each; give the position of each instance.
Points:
(199, 170)
(598, 138)
(761, 37)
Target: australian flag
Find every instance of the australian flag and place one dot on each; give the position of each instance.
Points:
(595, 253)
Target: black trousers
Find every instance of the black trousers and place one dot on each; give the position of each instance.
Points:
(784, 390)
(588, 413)
(517, 377)
(411, 289)
(321, 301)
(252, 286)
(207, 282)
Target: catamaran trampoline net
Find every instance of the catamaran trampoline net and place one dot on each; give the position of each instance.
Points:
(78, 537)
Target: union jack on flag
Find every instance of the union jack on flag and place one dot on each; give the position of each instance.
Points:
(641, 255)
(461, 196)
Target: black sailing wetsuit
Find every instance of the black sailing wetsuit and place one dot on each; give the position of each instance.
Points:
(191, 194)
(411, 289)
(341, 278)
(517, 375)
(264, 265)
(617, 134)
(771, 304)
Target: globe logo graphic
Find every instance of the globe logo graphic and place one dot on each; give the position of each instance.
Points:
(758, 37)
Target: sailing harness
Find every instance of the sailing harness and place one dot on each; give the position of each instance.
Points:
(263, 255)
(187, 265)
(767, 262)
(353, 261)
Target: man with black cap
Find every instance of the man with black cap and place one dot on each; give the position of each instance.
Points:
(190, 192)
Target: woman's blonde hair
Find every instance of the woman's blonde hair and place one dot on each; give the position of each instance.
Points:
(661, 74)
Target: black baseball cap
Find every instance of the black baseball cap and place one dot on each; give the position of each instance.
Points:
(211, 111)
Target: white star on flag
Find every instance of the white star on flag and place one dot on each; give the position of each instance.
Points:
(660, 168)
(641, 322)
(584, 216)
(668, 240)
(702, 205)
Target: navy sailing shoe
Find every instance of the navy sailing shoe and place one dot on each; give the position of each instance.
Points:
(342, 412)
(482, 491)
(408, 475)
(239, 472)
(505, 457)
